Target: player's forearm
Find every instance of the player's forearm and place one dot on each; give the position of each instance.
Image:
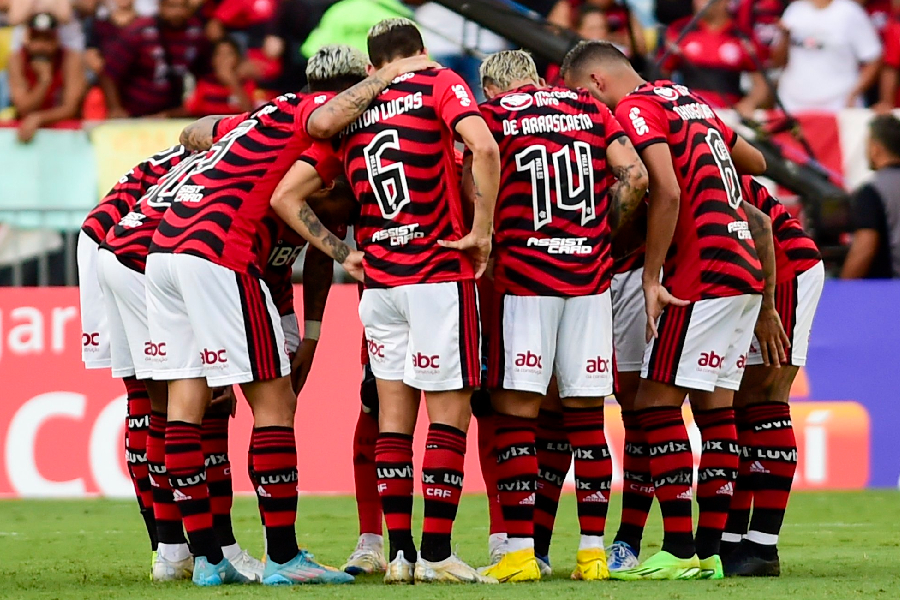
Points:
(336, 114)
(199, 135)
(662, 218)
(888, 85)
(761, 230)
(628, 191)
(318, 272)
(485, 186)
(302, 219)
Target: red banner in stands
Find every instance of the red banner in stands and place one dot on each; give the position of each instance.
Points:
(61, 426)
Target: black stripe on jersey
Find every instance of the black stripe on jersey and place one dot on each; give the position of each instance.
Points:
(802, 253)
(206, 237)
(737, 284)
(542, 289)
(729, 256)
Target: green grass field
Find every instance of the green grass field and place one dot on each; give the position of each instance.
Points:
(834, 546)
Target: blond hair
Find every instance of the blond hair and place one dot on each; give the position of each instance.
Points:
(504, 67)
(336, 60)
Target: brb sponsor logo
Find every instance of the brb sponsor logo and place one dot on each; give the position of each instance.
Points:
(598, 367)
(376, 350)
(154, 350)
(529, 362)
(213, 357)
(425, 362)
(561, 245)
(398, 236)
(709, 361)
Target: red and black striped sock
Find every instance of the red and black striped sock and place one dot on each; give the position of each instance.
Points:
(169, 529)
(593, 467)
(517, 469)
(716, 476)
(187, 476)
(637, 484)
(672, 468)
(368, 504)
(774, 457)
(741, 502)
(554, 454)
(394, 468)
(487, 459)
(137, 427)
(442, 482)
(214, 439)
(275, 468)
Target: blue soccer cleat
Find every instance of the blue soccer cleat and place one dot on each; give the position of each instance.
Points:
(223, 573)
(302, 569)
(621, 557)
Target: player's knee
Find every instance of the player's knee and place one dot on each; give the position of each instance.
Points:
(273, 402)
(582, 402)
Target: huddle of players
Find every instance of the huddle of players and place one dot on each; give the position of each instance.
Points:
(196, 241)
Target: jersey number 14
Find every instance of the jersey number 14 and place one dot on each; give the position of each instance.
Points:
(569, 194)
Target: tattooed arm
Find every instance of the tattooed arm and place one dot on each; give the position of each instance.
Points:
(631, 183)
(289, 202)
(199, 134)
(769, 330)
(329, 119)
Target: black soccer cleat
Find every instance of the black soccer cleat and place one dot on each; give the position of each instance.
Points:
(747, 561)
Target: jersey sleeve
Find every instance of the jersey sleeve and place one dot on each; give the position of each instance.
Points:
(612, 129)
(493, 123)
(308, 107)
(643, 120)
(322, 157)
(223, 127)
(454, 100)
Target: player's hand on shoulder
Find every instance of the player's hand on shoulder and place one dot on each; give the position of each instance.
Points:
(412, 64)
(773, 341)
(656, 298)
(477, 246)
(353, 264)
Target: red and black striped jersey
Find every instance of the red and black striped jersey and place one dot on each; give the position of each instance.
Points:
(795, 252)
(128, 190)
(220, 206)
(398, 157)
(712, 254)
(279, 266)
(552, 234)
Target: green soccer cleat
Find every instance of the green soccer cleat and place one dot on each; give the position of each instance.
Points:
(711, 568)
(661, 566)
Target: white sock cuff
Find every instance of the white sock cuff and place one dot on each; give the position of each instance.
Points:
(763, 539)
(732, 538)
(591, 541)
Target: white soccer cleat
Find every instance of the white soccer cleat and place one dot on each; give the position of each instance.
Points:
(249, 567)
(449, 570)
(367, 558)
(400, 571)
(498, 546)
(173, 570)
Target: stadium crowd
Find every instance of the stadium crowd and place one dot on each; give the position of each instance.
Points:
(74, 59)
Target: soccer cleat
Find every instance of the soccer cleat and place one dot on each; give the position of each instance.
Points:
(744, 562)
(400, 571)
(302, 569)
(222, 573)
(152, 562)
(544, 564)
(621, 557)
(590, 565)
(711, 568)
(515, 566)
(248, 566)
(449, 570)
(497, 547)
(661, 565)
(366, 559)
(172, 570)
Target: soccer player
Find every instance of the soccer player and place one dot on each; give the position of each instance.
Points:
(95, 334)
(700, 316)
(552, 274)
(765, 432)
(208, 305)
(419, 308)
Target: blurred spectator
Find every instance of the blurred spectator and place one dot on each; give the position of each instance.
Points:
(831, 54)
(713, 56)
(21, 11)
(46, 81)
(223, 92)
(880, 11)
(294, 21)
(875, 251)
(348, 22)
(105, 32)
(669, 11)
(145, 71)
(625, 29)
(247, 22)
(760, 19)
(889, 80)
(591, 24)
(447, 35)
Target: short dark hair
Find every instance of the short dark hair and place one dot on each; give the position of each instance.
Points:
(586, 52)
(885, 129)
(392, 39)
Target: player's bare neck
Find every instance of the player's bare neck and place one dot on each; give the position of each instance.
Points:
(520, 83)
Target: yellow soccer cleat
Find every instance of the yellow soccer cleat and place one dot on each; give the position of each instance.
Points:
(662, 565)
(590, 565)
(449, 570)
(400, 571)
(520, 565)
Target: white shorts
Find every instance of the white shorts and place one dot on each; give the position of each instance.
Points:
(536, 337)
(125, 294)
(796, 301)
(629, 320)
(703, 345)
(427, 335)
(209, 321)
(291, 329)
(94, 324)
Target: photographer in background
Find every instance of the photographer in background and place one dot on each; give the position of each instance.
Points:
(875, 251)
(46, 82)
